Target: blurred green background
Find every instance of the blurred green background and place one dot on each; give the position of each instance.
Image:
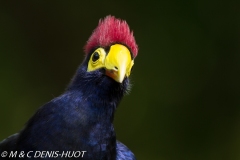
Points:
(185, 99)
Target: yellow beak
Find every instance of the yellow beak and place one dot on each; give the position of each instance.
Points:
(118, 62)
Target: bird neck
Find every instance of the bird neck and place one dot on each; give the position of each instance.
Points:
(100, 93)
(96, 97)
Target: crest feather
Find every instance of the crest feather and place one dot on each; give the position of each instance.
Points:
(110, 31)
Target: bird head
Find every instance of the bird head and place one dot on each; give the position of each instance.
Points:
(112, 47)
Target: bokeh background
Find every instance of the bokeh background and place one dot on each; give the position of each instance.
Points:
(185, 99)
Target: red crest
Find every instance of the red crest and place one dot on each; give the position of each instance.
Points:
(111, 31)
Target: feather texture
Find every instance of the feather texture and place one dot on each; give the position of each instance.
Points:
(111, 31)
(81, 119)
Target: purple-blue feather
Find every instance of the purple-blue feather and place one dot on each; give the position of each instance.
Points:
(79, 119)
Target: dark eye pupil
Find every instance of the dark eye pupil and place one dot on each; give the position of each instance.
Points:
(95, 56)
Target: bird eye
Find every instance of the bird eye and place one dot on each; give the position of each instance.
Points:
(95, 56)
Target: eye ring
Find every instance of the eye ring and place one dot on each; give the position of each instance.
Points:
(95, 56)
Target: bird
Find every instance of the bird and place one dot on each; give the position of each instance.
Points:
(81, 118)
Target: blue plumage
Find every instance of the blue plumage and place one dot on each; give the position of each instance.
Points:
(81, 119)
